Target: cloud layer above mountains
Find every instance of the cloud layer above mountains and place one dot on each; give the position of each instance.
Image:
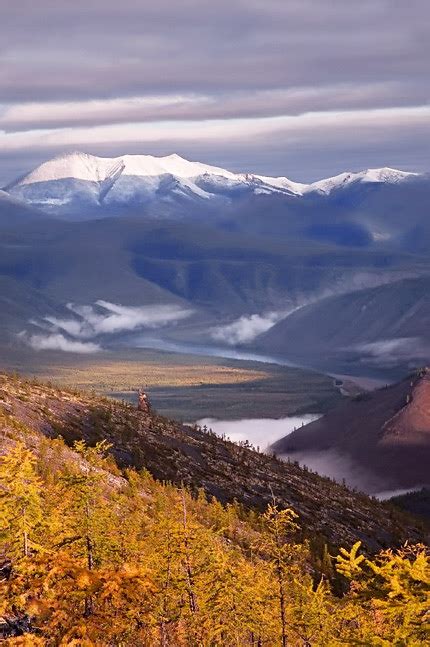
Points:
(304, 88)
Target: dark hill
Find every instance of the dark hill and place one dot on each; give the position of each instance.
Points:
(383, 326)
(387, 432)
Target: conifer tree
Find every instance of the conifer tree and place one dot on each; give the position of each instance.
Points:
(394, 587)
(94, 556)
(279, 526)
(20, 500)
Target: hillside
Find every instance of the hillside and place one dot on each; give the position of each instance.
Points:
(94, 554)
(219, 274)
(377, 328)
(386, 431)
(183, 454)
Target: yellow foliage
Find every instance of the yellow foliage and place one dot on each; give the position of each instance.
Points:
(103, 558)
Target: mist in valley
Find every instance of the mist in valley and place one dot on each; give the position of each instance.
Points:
(343, 469)
(263, 432)
(260, 432)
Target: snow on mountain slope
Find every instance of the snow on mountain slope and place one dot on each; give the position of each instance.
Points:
(375, 175)
(296, 188)
(81, 166)
(78, 182)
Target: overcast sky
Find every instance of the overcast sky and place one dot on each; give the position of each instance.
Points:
(302, 88)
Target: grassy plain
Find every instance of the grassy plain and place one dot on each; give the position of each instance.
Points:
(186, 387)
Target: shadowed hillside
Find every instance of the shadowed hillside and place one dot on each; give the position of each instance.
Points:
(380, 327)
(386, 431)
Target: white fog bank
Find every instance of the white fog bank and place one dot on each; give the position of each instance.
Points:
(260, 432)
(76, 334)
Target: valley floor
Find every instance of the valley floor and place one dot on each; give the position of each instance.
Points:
(184, 386)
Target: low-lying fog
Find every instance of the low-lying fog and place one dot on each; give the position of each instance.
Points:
(261, 432)
(155, 343)
(342, 468)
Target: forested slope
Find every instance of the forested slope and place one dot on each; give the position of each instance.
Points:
(92, 554)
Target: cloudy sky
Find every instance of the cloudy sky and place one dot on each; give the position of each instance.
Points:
(303, 88)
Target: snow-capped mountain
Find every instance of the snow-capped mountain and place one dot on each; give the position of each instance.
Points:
(79, 183)
(79, 178)
(370, 176)
(81, 166)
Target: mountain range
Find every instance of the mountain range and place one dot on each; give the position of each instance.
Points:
(79, 185)
(139, 231)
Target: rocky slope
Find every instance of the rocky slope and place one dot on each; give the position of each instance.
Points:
(179, 453)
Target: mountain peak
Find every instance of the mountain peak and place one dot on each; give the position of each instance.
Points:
(386, 174)
(84, 166)
(174, 156)
(372, 175)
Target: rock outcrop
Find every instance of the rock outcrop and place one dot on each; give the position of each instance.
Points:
(143, 403)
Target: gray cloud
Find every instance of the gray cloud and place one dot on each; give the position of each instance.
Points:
(200, 107)
(77, 67)
(112, 49)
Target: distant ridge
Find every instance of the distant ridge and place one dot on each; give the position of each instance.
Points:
(90, 168)
(225, 244)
